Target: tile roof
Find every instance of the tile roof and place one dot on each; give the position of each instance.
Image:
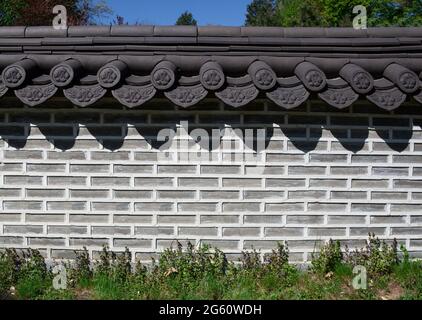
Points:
(236, 64)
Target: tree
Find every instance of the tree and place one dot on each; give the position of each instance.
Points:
(40, 12)
(186, 19)
(261, 13)
(332, 13)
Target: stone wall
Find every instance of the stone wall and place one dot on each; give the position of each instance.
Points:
(73, 177)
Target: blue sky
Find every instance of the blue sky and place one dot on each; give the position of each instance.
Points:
(166, 12)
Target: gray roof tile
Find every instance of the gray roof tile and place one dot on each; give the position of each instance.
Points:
(172, 31)
(89, 31)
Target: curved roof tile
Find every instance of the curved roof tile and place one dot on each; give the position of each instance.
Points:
(235, 64)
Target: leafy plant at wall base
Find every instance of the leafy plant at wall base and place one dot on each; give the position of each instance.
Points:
(34, 277)
(378, 257)
(329, 257)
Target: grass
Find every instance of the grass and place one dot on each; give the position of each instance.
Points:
(205, 274)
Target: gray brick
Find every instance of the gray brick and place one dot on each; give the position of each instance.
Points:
(220, 169)
(11, 167)
(326, 232)
(368, 207)
(390, 171)
(219, 219)
(176, 169)
(346, 219)
(110, 230)
(219, 195)
(265, 170)
(9, 193)
(283, 157)
(406, 208)
(22, 205)
(57, 242)
(133, 169)
(197, 231)
(188, 219)
(23, 180)
(305, 219)
(327, 207)
(399, 184)
(132, 243)
(110, 182)
(88, 218)
(306, 170)
(89, 168)
(263, 195)
(132, 194)
(284, 232)
(262, 219)
(389, 195)
(39, 167)
(222, 244)
(337, 158)
(414, 231)
(349, 171)
(45, 193)
(110, 156)
(11, 240)
(66, 181)
(110, 206)
(369, 183)
(260, 244)
(176, 195)
(241, 232)
(10, 217)
(89, 194)
(387, 219)
(369, 159)
(154, 231)
(407, 159)
(23, 229)
(327, 183)
(59, 230)
(348, 195)
(241, 207)
(66, 205)
(285, 183)
(242, 183)
(198, 182)
(198, 206)
(89, 242)
(72, 155)
(284, 207)
(132, 219)
(172, 243)
(364, 231)
(308, 194)
(153, 206)
(154, 182)
(23, 154)
(44, 217)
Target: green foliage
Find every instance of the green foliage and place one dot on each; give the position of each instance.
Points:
(378, 257)
(40, 12)
(81, 274)
(328, 259)
(186, 19)
(9, 11)
(332, 13)
(33, 277)
(261, 13)
(193, 273)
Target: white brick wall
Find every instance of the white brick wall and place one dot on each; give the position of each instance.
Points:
(88, 177)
